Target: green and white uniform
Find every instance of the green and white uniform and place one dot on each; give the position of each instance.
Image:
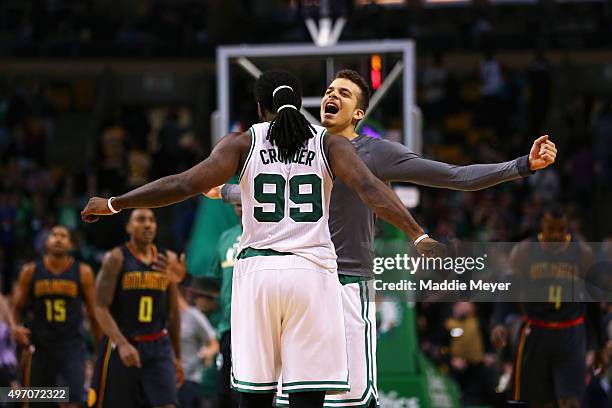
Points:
(286, 297)
(352, 225)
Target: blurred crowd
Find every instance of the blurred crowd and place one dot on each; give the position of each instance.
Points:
(38, 191)
(179, 28)
(491, 114)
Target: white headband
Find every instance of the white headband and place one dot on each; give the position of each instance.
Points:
(278, 88)
(286, 106)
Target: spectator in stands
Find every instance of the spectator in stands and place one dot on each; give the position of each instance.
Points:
(467, 354)
(199, 346)
(540, 85)
(433, 81)
(602, 140)
(546, 185)
(8, 349)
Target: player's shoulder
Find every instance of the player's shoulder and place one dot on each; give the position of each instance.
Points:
(586, 251)
(320, 130)
(256, 131)
(84, 268)
(381, 146)
(232, 142)
(114, 255)
(241, 139)
(258, 126)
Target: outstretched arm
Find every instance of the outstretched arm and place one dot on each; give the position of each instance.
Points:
(348, 167)
(394, 162)
(216, 169)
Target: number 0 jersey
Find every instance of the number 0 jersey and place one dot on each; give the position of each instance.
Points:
(285, 200)
(140, 302)
(57, 304)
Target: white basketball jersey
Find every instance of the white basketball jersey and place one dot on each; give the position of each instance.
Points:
(285, 201)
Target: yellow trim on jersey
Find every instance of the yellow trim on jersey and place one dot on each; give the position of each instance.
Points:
(519, 363)
(104, 373)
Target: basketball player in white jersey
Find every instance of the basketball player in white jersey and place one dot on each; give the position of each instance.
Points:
(286, 303)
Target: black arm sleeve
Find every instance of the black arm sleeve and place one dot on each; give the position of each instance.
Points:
(394, 162)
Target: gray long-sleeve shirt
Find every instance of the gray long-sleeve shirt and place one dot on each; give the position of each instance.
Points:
(351, 222)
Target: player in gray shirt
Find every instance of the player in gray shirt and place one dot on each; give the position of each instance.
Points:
(351, 222)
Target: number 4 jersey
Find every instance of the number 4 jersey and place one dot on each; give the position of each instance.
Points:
(140, 302)
(285, 200)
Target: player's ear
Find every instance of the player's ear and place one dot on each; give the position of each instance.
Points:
(358, 114)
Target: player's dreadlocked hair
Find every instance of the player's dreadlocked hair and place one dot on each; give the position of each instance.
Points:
(281, 92)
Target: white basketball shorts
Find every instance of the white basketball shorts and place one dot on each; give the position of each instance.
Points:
(287, 316)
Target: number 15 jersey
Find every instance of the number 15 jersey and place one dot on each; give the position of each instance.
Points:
(285, 200)
(57, 303)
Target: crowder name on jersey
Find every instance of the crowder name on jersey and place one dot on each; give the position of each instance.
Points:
(302, 156)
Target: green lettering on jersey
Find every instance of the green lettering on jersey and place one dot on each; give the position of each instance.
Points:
(314, 198)
(277, 198)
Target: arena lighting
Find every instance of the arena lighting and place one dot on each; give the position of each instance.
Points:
(433, 3)
(456, 332)
(375, 71)
(381, 2)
